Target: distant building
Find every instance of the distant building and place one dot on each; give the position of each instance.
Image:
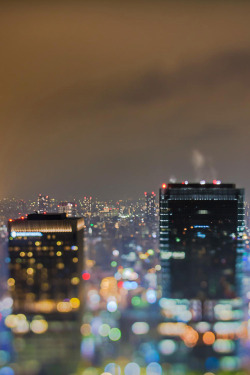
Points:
(69, 208)
(201, 229)
(43, 204)
(46, 263)
(150, 206)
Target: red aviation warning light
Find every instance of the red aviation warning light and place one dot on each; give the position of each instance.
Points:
(163, 186)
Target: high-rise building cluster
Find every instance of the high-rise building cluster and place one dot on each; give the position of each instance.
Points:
(166, 282)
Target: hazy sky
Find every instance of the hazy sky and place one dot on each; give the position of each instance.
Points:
(114, 98)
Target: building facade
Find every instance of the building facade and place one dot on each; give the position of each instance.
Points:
(201, 229)
(201, 250)
(46, 263)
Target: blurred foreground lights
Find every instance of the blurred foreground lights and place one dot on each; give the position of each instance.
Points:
(151, 296)
(88, 348)
(130, 285)
(228, 363)
(22, 325)
(154, 369)
(167, 347)
(208, 338)
(112, 306)
(202, 327)
(115, 334)
(6, 303)
(75, 280)
(75, 303)
(85, 329)
(132, 369)
(104, 330)
(64, 307)
(172, 329)
(11, 321)
(113, 369)
(11, 282)
(224, 346)
(190, 337)
(7, 371)
(116, 253)
(39, 326)
(150, 252)
(140, 328)
(85, 276)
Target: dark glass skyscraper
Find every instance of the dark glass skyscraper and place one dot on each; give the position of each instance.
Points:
(201, 248)
(201, 228)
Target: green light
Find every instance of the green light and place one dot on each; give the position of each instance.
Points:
(136, 301)
(177, 239)
(150, 252)
(115, 334)
(114, 263)
(91, 225)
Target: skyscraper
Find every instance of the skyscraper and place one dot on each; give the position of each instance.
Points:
(150, 206)
(201, 228)
(43, 203)
(201, 248)
(46, 262)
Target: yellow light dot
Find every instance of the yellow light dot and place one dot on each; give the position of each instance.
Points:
(59, 243)
(75, 260)
(59, 253)
(30, 271)
(11, 282)
(22, 254)
(60, 266)
(75, 303)
(75, 280)
(37, 243)
(30, 254)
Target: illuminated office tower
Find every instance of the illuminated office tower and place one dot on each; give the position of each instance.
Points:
(201, 229)
(43, 203)
(150, 206)
(46, 262)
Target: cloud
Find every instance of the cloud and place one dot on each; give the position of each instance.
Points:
(204, 77)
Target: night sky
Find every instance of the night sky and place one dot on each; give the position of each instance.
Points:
(113, 98)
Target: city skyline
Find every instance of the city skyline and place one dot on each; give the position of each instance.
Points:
(84, 108)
